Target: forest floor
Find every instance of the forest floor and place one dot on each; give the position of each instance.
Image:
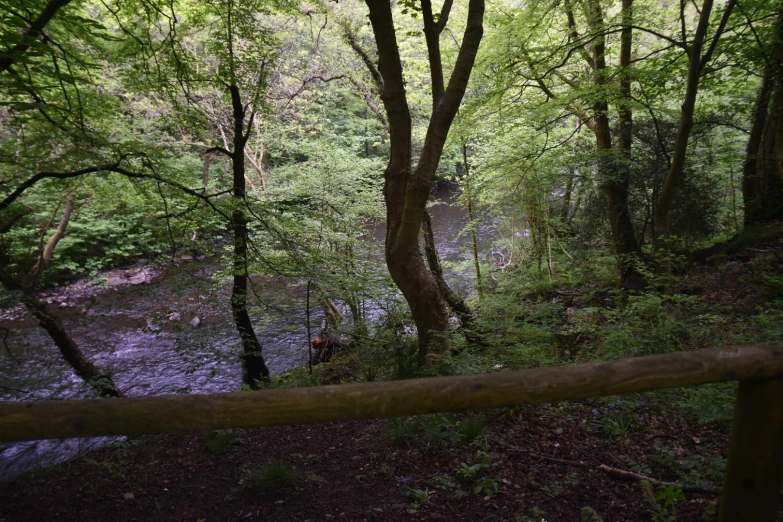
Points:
(384, 471)
(529, 464)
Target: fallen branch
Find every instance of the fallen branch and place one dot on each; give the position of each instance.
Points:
(614, 472)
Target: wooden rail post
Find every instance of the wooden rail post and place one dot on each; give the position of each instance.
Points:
(754, 472)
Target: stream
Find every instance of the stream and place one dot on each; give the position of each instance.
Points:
(167, 329)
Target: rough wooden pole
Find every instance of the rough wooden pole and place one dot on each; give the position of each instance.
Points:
(754, 472)
(179, 413)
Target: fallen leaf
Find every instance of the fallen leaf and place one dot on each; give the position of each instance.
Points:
(128, 496)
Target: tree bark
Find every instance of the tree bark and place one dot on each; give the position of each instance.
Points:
(255, 368)
(455, 302)
(182, 413)
(777, 101)
(762, 185)
(473, 239)
(760, 192)
(696, 64)
(59, 233)
(406, 190)
(334, 318)
(614, 165)
(100, 382)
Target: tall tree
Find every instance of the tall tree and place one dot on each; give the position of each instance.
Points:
(614, 165)
(698, 58)
(407, 188)
(762, 181)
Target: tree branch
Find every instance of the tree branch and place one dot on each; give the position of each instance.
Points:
(721, 27)
(615, 472)
(376, 75)
(12, 55)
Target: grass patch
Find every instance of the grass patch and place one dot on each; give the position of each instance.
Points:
(275, 476)
(221, 441)
(399, 431)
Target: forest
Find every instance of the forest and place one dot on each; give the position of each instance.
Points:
(210, 196)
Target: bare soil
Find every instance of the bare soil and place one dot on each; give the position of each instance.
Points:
(351, 471)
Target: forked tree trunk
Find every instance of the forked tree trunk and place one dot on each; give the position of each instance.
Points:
(697, 60)
(334, 319)
(48, 252)
(452, 299)
(406, 190)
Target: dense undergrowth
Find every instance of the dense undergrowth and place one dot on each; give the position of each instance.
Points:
(580, 315)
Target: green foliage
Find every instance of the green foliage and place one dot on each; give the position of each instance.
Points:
(447, 483)
(399, 431)
(701, 467)
(617, 420)
(662, 503)
(417, 497)
(590, 515)
(617, 426)
(274, 476)
(470, 472)
(487, 487)
(472, 429)
(221, 441)
(711, 402)
(775, 285)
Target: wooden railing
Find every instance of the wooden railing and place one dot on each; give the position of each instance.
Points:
(754, 472)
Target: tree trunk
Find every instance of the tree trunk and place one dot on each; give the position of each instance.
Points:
(473, 240)
(613, 166)
(777, 101)
(406, 191)
(696, 64)
(100, 382)
(51, 244)
(255, 368)
(334, 319)
(762, 185)
(455, 302)
(565, 209)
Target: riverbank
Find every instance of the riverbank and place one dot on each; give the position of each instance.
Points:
(524, 464)
(167, 328)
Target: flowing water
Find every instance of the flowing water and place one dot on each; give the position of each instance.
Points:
(167, 329)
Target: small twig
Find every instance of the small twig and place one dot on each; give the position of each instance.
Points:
(614, 472)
